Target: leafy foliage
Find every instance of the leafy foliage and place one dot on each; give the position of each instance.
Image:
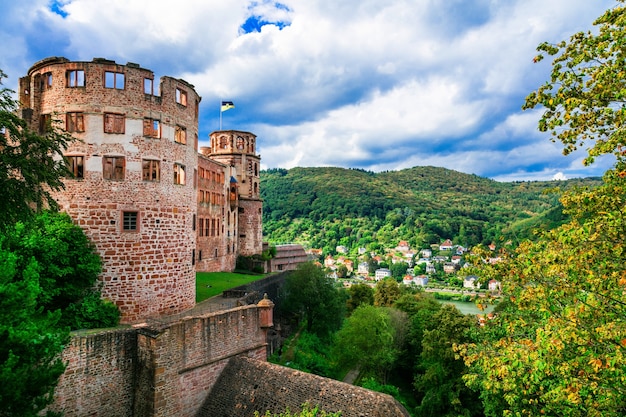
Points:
(439, 380)
(584, 99)
(307, 411)
(557, 346)
(30, 164)
(360, 294)
(68, 268)
(312, 296)
(371, 339)
(326, 207)
(30, 339)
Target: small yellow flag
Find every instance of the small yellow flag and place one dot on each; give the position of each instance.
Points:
(227, 105)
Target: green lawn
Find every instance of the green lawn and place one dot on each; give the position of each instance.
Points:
(210, 284)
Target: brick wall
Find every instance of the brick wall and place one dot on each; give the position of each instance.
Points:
(160, 369)
(148, 266)
(247, 386)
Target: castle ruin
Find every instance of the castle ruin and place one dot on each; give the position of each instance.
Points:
(156, 209)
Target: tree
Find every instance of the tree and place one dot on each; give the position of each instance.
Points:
(387, 292)
(398, 269)
(360, 294)
(557, 348)
(342, 271)
(584, 99)
(30, 340)
(439, 379)
(31, 165)
(371, 340)
(68, 268)
(310, 294)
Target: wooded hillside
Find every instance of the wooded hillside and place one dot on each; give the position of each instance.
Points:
(326, 207)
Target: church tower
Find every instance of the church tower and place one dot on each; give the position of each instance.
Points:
(237, 150)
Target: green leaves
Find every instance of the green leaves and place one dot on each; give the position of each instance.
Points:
(561, 352)
(584, 100)
(31, 165)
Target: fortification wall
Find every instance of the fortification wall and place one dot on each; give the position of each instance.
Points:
(159, 369)
(134, 165)
(247, 386)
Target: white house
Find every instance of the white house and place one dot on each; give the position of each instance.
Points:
(382, 273)
(421, 280)
(446, 245)
(471, 282)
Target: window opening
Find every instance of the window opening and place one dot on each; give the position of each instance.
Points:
(151, 170)
(76, 165)
(180, 135)
(152, 128)
(114, 123)
(114, 80)
(130, 220)
(181, 97)
(76, 78)
(179, 174)
(113, 167)
(74, 122)
(148, 84)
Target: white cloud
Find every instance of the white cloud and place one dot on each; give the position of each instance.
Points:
(379, 85)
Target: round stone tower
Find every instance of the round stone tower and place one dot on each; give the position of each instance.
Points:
(236, 149)
(134, 169)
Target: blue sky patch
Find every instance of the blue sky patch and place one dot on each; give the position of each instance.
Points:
(256, 21)
(57, 7)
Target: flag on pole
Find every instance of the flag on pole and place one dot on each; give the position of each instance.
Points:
(227, 105)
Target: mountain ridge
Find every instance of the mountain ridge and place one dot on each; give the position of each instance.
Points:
(322, 207)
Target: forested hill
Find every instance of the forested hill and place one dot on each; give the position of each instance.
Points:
(326, 207)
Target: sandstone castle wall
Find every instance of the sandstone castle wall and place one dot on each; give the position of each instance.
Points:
(158, 369)
(156, 210)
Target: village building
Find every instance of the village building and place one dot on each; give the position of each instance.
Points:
(382, 273)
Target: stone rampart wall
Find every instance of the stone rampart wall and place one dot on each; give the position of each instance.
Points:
(157, 369)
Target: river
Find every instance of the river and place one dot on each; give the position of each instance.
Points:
(467, 307)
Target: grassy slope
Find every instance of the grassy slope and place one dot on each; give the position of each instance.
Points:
(210, 284)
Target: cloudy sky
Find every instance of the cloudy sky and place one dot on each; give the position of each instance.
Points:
(372, 84)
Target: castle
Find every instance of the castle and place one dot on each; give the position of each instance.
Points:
(156, 208)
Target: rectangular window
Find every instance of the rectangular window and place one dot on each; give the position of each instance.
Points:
(130, 221)
(76, 165)
(179, 174)
(151, 170)
(206, 227)
(74, 122)
(152, 128)
(181, 97)
(180, 135)
(114, 123)
(46, 81)
(114, 80)
(148, 86)
(45, 123)
(193, 222)
(113, 167)
(75, 78)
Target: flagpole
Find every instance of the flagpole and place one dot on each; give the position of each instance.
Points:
(221, 114)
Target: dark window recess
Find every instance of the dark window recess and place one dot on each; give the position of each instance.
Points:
(129, 219)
